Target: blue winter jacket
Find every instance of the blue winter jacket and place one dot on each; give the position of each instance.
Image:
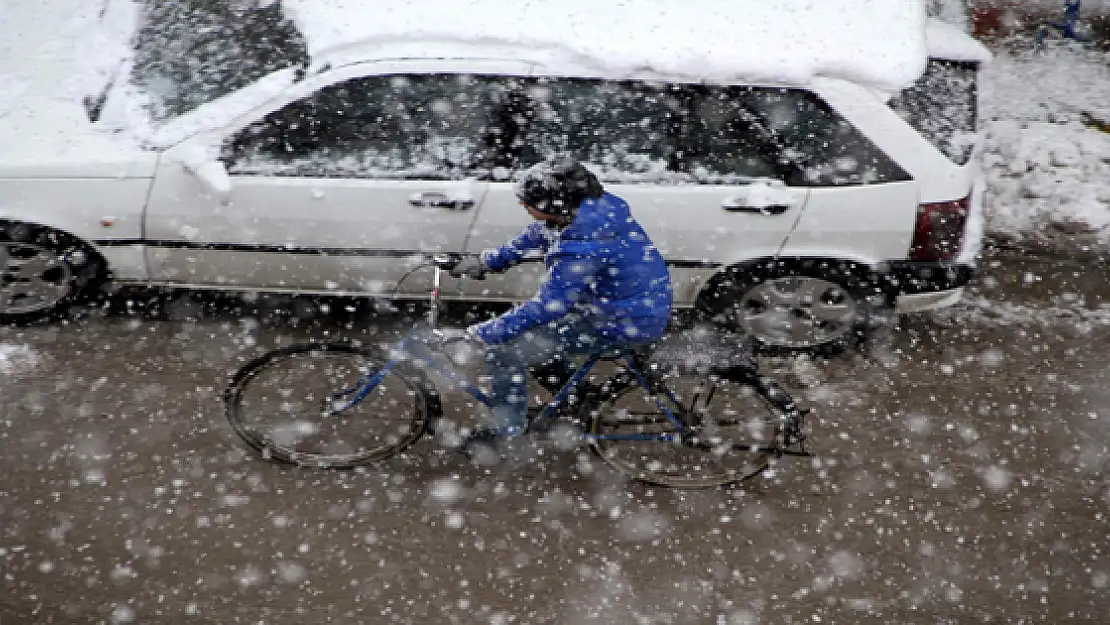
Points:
(602, 266)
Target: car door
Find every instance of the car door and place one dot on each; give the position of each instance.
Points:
(704, 187)
(341, 190)
(862, 204)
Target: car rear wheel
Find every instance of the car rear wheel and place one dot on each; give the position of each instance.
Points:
(43, 272)
(799, 306)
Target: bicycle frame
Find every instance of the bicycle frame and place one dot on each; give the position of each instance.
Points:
(412, 344)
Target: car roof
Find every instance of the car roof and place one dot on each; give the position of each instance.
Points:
(792, 41)
(944, 41)
(458, 57)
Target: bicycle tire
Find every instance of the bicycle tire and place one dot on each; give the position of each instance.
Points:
(761, 421)
(247, 390)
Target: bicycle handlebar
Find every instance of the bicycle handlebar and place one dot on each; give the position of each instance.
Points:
(447, 262)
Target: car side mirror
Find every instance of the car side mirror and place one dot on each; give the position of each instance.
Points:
(213, 176)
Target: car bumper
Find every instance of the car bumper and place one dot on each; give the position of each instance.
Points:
(915, 287)
(927, 301)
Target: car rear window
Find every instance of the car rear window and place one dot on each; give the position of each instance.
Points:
(451, 126)
(943, 105)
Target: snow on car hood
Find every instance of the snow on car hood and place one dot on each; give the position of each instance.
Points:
(49, 138)
(875, 42)
(53, 53)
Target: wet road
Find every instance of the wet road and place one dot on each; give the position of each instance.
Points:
(960, 478)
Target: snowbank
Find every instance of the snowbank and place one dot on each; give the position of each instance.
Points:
(1042, 174)
(1046, 167)
(876, 42)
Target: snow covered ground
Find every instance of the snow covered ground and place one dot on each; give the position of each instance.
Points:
(1047, 165)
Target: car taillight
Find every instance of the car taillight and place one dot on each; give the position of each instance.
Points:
(940, 230)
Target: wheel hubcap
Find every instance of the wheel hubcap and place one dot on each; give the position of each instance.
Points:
(797, 312)
(32, 278)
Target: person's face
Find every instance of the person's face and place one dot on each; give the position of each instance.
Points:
(537, 215)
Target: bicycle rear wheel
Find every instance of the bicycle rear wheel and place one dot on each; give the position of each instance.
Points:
(740, 432)
(295, 405)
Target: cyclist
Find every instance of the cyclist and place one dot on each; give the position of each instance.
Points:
(607, 287)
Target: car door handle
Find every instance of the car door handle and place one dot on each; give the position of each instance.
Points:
(434, 199)
(771, 209)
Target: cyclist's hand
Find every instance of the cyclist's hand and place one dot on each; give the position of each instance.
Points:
(462, 347)
(474, 339)
(471, 266)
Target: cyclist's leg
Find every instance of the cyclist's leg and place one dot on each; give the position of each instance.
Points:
(507, 364)
(549, 349)
(574, 337)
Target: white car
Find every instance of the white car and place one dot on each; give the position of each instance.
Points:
(794, 212)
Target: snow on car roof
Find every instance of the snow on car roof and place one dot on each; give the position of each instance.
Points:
(875, 42)
(950, 43)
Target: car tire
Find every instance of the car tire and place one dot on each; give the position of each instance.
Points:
(797, 305)
(44, 272)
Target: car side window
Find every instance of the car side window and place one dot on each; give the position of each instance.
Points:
(724, 139)
(401, 126)
(631, 131)
(620, 128)
(634, 131)
(820, 146)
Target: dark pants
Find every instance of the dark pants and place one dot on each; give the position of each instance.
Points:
(550, 352)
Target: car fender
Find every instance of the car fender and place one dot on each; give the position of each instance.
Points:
(830, 255)
(690, 275)
(89, 209)
(105, 213)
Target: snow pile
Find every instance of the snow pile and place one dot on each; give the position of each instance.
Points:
(1042, 174)
(1046, 163)
(17, 358)
(875, 42)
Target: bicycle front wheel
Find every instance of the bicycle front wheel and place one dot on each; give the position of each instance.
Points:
(304, 405)
(738, 433)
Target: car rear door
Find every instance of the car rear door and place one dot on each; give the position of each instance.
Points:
(862, 203)
(706, 189)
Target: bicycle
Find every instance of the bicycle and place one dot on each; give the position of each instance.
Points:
(660, 398)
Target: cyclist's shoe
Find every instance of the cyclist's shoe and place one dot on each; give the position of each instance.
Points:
(794, 436)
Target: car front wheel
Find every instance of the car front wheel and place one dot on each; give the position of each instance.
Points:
(43, 272)
(795, 306)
